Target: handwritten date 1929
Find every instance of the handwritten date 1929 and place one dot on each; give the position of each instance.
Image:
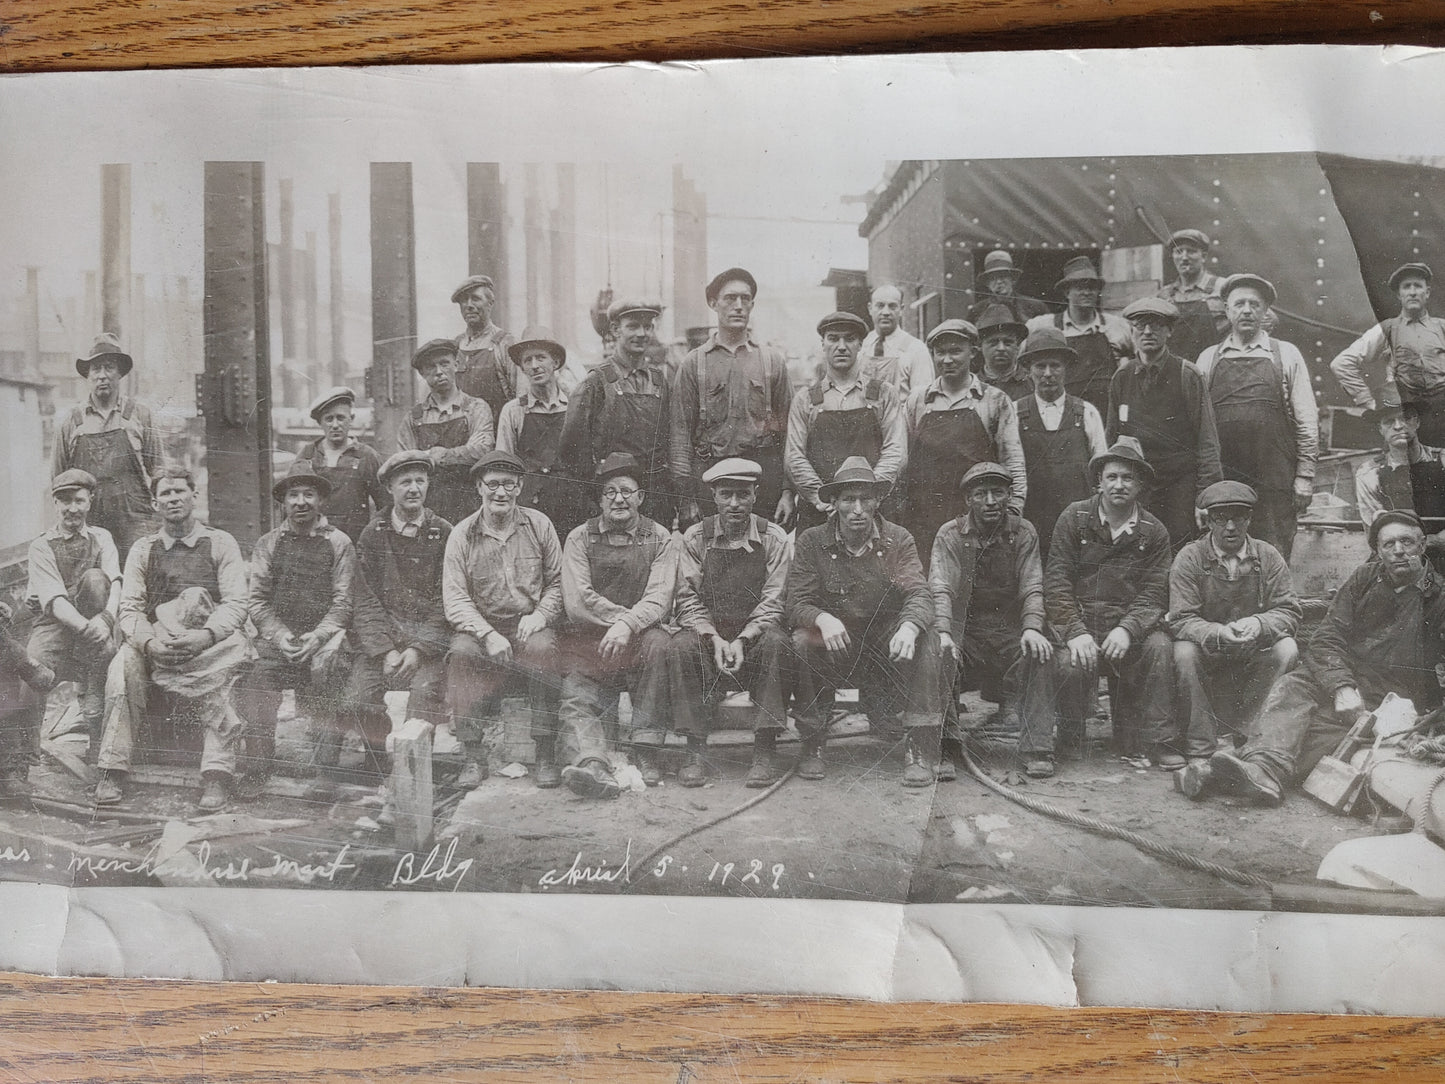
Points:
(723, 872)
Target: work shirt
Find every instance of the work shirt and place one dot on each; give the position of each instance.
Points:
(494, 341)
(586, 606)
(904, 361)
(1298, 394)
(691, 550)
(1052, 416)
(851, 396)
(1370, 496)
(1276, 606)
(231, 608)
(958, 550)
(514, 414)
(365, 462)
(480, 433)
(997, 413)
(1114, 328)
(1095, 582)
(269, 607)
(1015, 384)
(1206, 289)
(1418, 357)
(587, 436)
(490, 577)
(46, 582)
(139, 428)
(876, 590)
(1172, 440)
(399, 586)
(727, 402)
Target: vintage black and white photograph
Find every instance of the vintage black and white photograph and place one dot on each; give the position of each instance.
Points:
(413, 486)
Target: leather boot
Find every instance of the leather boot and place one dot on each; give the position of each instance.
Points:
(544, 771)
(810, 758)
(694, 772)
(764, 771)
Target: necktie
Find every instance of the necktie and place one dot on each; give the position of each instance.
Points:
(878, 347)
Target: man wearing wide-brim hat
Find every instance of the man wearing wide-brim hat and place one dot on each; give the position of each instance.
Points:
(996, 283)
(1194, 293)
(1407, 350)
(453, 428)
(483, 368)
(1099, 339)
(1000, 337)
(1106, 590)
(1233, 614)
(1264, 411)
(112, 437)
(861, 616)
(1406, 474)
(350, 465)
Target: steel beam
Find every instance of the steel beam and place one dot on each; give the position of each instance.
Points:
(390, 381)
(486, 230)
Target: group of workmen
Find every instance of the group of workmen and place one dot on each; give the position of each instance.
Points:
(1020, 504)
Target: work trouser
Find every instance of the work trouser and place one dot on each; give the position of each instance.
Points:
(318, 696)
(591, 687)
(1273, 520)
(365, 697)
(1297, 726)
(1219, 693)
(992, 660)
(20, 708)
(885, 686)
(476, 683)
(1142, 698)
(73, 659)
(127, 691)
(1172, 502)
(697, 685)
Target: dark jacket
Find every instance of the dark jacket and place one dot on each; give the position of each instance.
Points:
(399, 589)
(1093, 584)
(1275, 604)
(955, 559)
(877, 591)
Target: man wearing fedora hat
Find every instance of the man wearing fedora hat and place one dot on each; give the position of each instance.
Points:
(113, 438)
(1106, 590)
(861, 614)
(1194, 293)
(1233, 615)
(730, 399)
(1407, 350)
(484, 371)
(1264, 411)
(1405, 474)
(1159, 399)
(1060, 433)
(1100, 340)
(453, 428)
(624, 405)
(997, 284)
(845, 414)
(1000, 337)
(301, 600)
(349, 465)
(889, 353)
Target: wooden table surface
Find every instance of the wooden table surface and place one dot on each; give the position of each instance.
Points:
(97, 1030)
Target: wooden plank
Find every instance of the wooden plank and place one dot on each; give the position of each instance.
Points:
(411, 785)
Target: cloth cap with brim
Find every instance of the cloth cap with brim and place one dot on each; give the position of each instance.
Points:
(300, 478)
(961, 329)
(499, 461)
(846, 320)
(1124, 450)
(538, 336)
(1417, 270)
(1389, 516)
(1193, 238)
(732, 274)
(999, 262)
(984, 472)
(855, 471)
(1389, 402)
(620, 464)
(74, 478)
(326, 398)
(997, 318)
(1077, 271)
(399, 461)
(1227, 494)
(735, 469)
(105, 346)
(618, 309)
(471, 284)
(1046, 342)
(1151, 306)
(433, 348)
(1234, 282)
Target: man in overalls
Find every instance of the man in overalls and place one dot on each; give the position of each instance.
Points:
(1412, 347)
(730, 399)
(1264, 411)
(1159, 399)
(452, 427)
(1000, 337)
(1233, 615)
(530, 427)
(1406, 474)
(997, 284)
(349, 465)
(1060, 433)
(841, 416)
(954, 423)
(112, 437)
(73, 591)
(1195, 294)
(889, 353)
(732, 568)
(196, 661)
(618, 573)
(1099, 339)
(861, 615)
(23, 685)
(624, 405)
(484, 370)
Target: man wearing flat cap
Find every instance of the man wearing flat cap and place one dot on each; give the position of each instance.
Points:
(1407, 350)
(889, 353)
(1106, 589)
(845, 414)
(1233, 615)
(1405, 474)
(732, 568)
(502, 592)
(955, 422)
(1384, 633)
(1000, 337)
(399, 633)
(861, 615)
(484, 371)
(997, 284)
(113, 438)
(530, 427)
(988, 598)
(730, 399)
(1264, 411)
(618, 576)
(1194, 293)
(1159, 399)
(1100, 340)
(182, 618)
(301, 600)
(624, 405)
(453, 428)
(73, 591)
(349, 465)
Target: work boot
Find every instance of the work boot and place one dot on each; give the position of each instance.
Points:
(1245, 778)
(948, 757)
(592, 778)
(922, 756)
(764, 771)
(1165, 759)
(694, 772)
(646, 758)
(1194, 779)
(1039, 767)
(107, 789)
(544, 771)
(472, 776)
(810, 759)
(214, 792)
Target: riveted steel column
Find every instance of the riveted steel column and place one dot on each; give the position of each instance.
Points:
(390, 381)
(486, 230)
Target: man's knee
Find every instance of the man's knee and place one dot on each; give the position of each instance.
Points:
(464, 649)
(652, 646)
(1188, 657)
(1157, 648)
(1285, 654)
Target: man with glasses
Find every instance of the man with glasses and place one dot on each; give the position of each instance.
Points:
(502, 593)
(618, 573)
(1233, 614)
